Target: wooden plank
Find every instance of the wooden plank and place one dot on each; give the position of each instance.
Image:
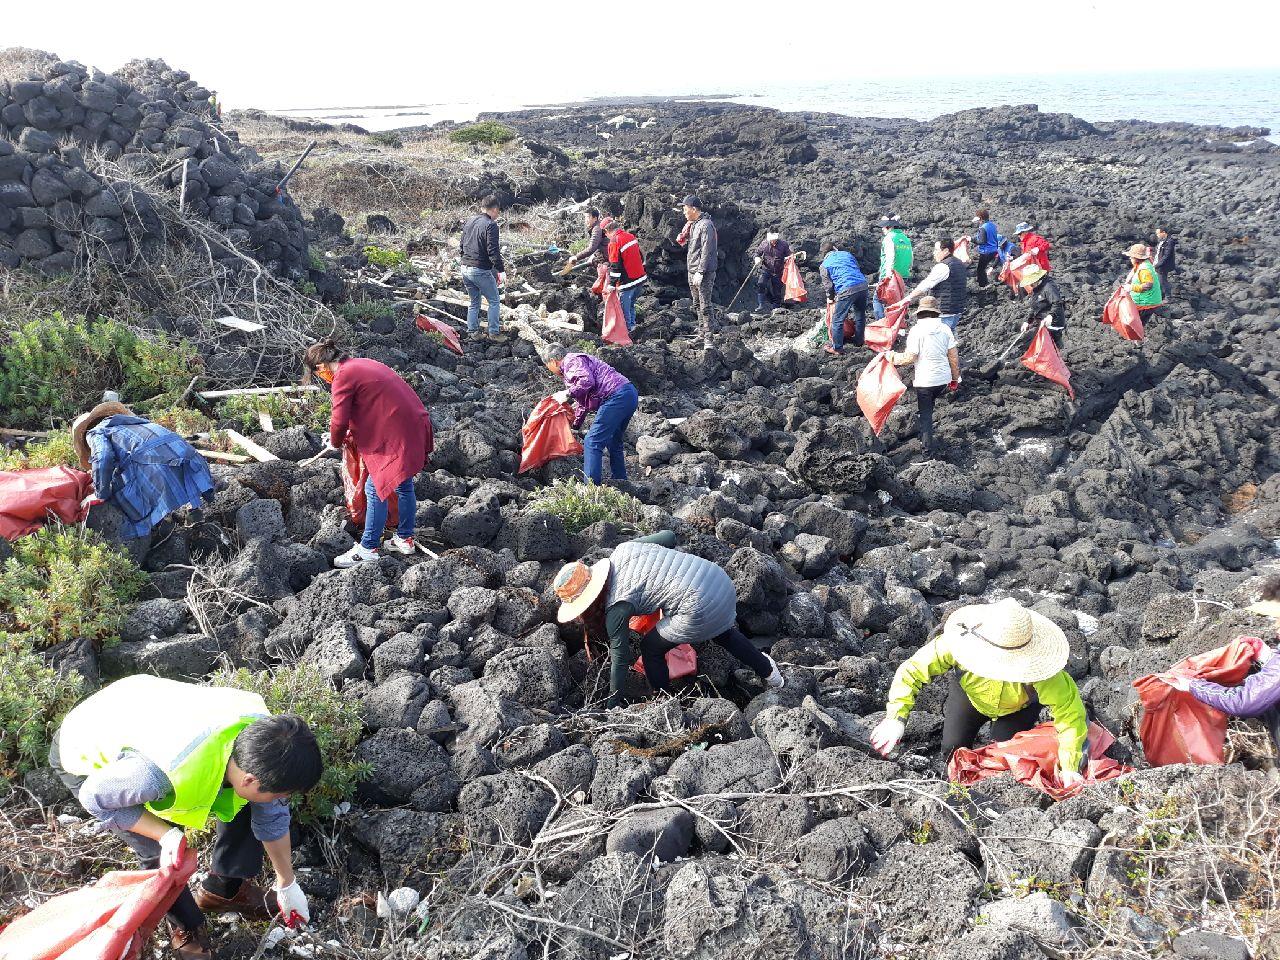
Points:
(11, 432)
(261, 454)
(265, 421)
(220, 455)
(253, 391)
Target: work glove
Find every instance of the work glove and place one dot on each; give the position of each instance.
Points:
(953, 386)
(1175, 681)
(172, 845)
(1265, 652)
(502, 279)
(561, 397)
(292, 900)
(1070, 778)
(887, 734)
(759, 261)
(696, 279)
(1025, 325)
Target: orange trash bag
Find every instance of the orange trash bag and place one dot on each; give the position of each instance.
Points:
(890, 290)
(881, 335)
(846, 325)
(1178, 728)
(602, 278)
(109, 920)
(962, 249)
(793, 282)
(27, 497)
(682, 661)
(1013, 271)
(548, 435)
(614, 328)
(1122, 313)
(879, 388)
(354, 475)
(1042, 357)
(1032, 757)
(431, 325)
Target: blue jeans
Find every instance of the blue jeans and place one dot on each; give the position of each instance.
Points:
(607, 433)
(481, 282)
(627, 298)
(375, 513)
(951, 320)
(855, 298)
(877, 307)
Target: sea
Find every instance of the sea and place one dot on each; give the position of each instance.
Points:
(1223, 98)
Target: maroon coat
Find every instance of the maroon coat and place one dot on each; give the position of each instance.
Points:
(389, 424)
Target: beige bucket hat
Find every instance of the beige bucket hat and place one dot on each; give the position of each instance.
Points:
(1139, 251)
(1007, 642)
(578, 586)
(1268, 608)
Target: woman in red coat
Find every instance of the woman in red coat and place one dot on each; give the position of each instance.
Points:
(374, 409)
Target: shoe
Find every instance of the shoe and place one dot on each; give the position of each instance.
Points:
(250, 901)
(775, 680)
(356, 554)
(832, 350)
(404, 546)
(191, 944)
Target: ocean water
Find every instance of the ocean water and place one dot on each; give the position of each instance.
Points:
(1246, 98)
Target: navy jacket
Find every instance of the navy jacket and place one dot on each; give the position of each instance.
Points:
(479, 245)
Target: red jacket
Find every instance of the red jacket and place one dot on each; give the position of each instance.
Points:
(1033, 241)
(385, 418)
(626, 262)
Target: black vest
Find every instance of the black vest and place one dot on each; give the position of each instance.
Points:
(952, 292)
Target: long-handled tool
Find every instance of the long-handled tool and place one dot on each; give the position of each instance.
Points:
(754, 268)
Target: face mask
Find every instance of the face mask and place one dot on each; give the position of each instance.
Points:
(325, 375)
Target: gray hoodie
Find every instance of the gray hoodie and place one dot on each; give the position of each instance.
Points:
(703, 244)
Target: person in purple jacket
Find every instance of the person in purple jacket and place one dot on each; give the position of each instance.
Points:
(1259, 695)
(594, 385)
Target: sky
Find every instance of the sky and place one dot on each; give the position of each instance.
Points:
(292, 55)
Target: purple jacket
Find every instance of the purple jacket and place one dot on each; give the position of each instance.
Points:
(774, 256)
(590, 381)
(1258, 694)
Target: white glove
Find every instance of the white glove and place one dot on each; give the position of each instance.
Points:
(292, 900)
(561, 397)
(759, 261)
(887, 734)
(1023, 328)
(696, 279)
(1265, 652)
(1177, 682)
(1070, 778)
(171, 847)
(502, 279)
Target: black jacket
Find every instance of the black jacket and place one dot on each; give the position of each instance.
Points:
(1165, 258)
(597, 246)
(479, 246)
(1047, 298)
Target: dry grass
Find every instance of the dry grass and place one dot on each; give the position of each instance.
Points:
(19, 63)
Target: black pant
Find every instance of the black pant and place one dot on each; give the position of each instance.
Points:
(961, 722)
(984, 261)
(924, 420)
(653, 650)
(237, 853)
(769, 290)
(1165, 287)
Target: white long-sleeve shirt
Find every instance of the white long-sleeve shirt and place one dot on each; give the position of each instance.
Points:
(939, 273)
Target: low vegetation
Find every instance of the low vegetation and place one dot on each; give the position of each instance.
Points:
(384, 257)
(54, 451)
(485, 133)
(33, 700)
(579, 505)
(309, 410)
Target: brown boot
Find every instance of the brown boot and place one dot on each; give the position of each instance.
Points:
(250, 902)
(191, 944)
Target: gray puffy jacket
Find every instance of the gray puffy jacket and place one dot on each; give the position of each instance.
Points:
(704, 243)
(696, 597)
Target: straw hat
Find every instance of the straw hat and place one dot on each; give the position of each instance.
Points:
(1268, 608)
(1139, 251)
(578, 586)
(1005, 641)
(87, 421)
(928, 307)
(1032, 277)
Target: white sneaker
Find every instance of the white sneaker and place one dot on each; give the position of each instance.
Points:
(775, 680)
(405, 546)
(356, 554)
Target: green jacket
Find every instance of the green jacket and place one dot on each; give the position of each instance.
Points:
(895, 254)
(1144, 285)
(993, 698)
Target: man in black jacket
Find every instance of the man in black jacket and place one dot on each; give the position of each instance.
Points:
(1048, 307)
(482, 268)
(1165, 260)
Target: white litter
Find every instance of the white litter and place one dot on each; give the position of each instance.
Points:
(235, 323)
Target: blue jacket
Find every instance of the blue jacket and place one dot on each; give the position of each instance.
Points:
(1006, 249)
(145, 470)
(840, 273)
(986, 237)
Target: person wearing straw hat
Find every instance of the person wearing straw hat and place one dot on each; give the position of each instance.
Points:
(1259, 695)
(1048, 305)
(697, 601)
(1142, 281)
(1008, 662)
(931, 346)
(143, 469)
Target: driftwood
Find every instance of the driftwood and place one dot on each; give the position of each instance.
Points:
(226, 457)
(676, 745)
(261, 454)
(253, 391)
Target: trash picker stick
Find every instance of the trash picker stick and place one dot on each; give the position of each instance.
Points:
(292, 170)
(741, 288)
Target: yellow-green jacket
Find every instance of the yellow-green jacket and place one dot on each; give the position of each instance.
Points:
(993, 698)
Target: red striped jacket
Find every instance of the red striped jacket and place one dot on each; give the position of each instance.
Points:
(626, 262)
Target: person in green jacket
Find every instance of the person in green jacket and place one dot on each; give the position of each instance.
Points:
(896, 254)
(1142, 282)
(1008, 662)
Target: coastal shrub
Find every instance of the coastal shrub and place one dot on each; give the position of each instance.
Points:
(486, 132)
(386, 138)
(33, 701)
(385, 257)
(316, 260)
(181, 420)
(365, 310)
(310, 410)
(62, 583)
(579, 505)
(335, 720)
(54, 367)
(55, 451)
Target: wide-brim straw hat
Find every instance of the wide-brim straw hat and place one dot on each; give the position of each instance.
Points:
(1033, 276)
(87, 421)
(1268, 608)
(1139, 251)
(1007, 642)
(578, 586)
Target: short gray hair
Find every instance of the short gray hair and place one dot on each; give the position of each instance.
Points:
(553, 351)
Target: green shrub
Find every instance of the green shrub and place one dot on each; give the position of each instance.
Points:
(33, 701)
(55, 451)
(366, 310)
(387, 139)
(579, 505)
(335, 720)
(54, 367)
(181, 420)
(316, 260)
(577, 246)
(489, 132)
(384, 257)
(310, 410)
(63, 583)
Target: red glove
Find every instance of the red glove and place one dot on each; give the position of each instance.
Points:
(953, 386)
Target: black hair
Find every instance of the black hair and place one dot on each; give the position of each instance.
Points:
(984, 214)
(946, 243)
(592, 212)
(326, 351)
(490, 202)
(281, 752)
(1271, 588)
(827, 247)
(773, 229)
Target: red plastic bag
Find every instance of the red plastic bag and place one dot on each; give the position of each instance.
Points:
(354, 475)
(1042, 357)
(890, 290)
(1032, 758)
(962, 249)
(27, 497)
(682, 661)
(882, 335)
(429, 325)
(793, 282)
(1178, 728)
(614, 328)
(602, 278)
(548, 435)
(847, 325)
(1015, 269)
(1122, 313)
(110, 920)
(879, 388)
